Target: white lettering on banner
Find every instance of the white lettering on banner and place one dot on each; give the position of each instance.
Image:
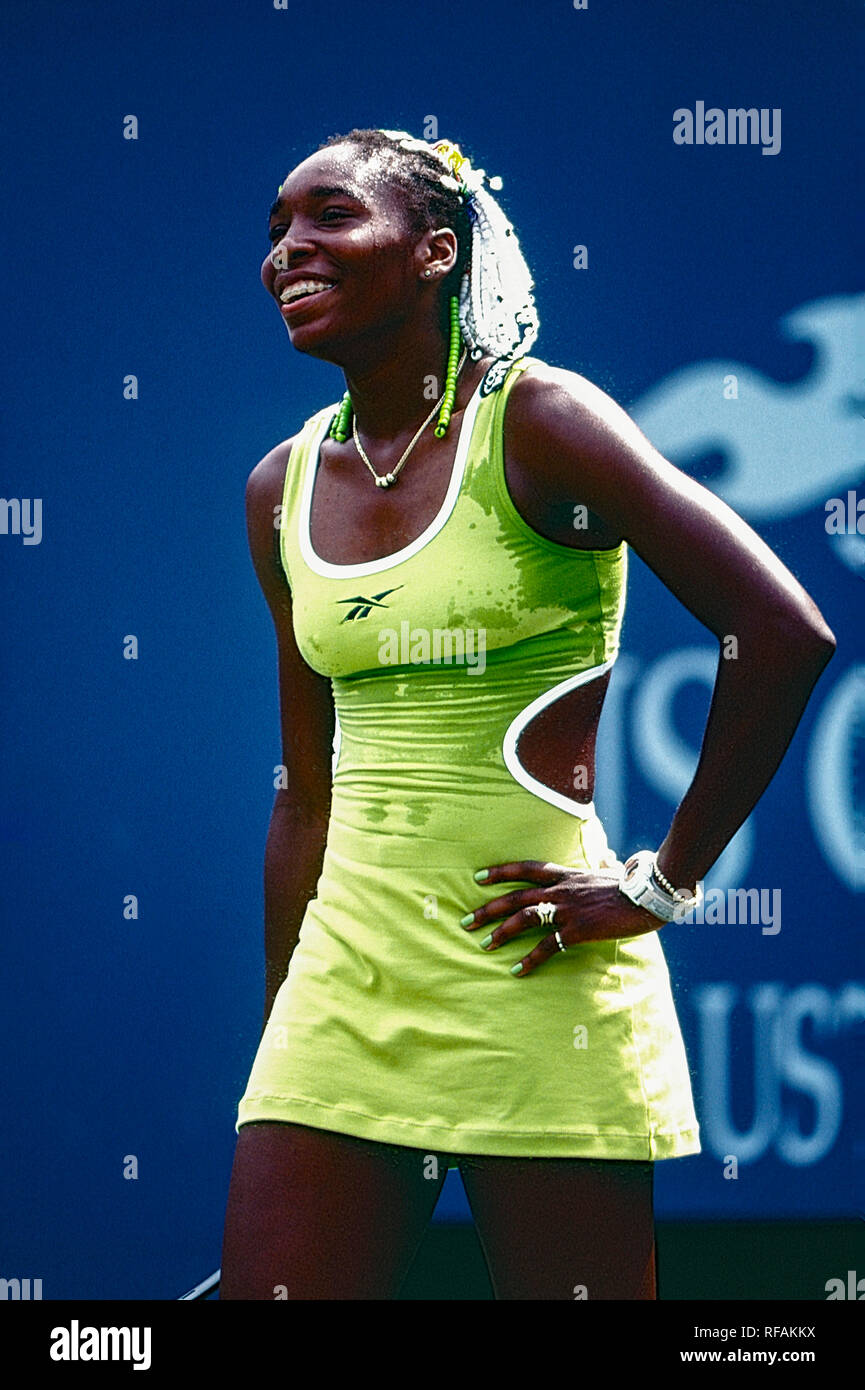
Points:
(639, 712)
(714, 1004)
(850, 1005)
(838, 823)
(779, 1059)
(787, 446)
(811, 1075)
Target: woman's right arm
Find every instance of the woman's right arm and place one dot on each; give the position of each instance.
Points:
(299, 820)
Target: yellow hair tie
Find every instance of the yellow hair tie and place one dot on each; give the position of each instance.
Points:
(469, 179)
(453, 157)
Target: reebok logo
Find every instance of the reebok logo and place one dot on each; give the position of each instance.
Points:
(363, 606)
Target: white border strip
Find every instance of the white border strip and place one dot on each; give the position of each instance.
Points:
(583, 810)
(385, 562)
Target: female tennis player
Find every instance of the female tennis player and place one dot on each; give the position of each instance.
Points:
(460, 972)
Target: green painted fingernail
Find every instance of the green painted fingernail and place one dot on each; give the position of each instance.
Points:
(517, 969)
(467, 920)
(487, 939)
(481, 875)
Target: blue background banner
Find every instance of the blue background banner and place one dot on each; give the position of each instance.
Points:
(720, 304)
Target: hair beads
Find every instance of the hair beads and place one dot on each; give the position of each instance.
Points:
(341, 422)
(444, 419)
(340, 425)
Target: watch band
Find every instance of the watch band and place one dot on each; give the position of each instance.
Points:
(681, 894)
(639, 883)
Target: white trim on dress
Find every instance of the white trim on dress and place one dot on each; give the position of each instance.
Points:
(584, 810)
(385, 562)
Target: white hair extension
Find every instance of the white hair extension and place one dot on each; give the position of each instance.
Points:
(497, 308)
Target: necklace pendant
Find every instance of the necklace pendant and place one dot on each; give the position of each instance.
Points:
(388, 479)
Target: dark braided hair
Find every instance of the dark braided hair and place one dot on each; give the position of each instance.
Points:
(427, 202)
(490, 278)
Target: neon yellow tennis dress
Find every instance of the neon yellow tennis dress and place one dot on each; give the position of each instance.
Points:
(392, 1023)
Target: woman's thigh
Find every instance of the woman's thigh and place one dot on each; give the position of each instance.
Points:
(312, 1214)
(555, 1228)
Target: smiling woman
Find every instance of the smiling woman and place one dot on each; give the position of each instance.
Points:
(541, 1054)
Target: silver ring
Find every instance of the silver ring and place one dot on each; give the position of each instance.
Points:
(562, 946)
(546, 912)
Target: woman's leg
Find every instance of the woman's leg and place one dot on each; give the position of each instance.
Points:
(554, 1228)
(313, 1214)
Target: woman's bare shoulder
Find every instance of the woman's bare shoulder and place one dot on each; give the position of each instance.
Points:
(268, 475)
(562, 432)
(264, 492)
(549, 398)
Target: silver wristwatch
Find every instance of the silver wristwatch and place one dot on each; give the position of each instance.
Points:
(638, 883)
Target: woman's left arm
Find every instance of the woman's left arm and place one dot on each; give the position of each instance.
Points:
(588, 448)
(576, 446)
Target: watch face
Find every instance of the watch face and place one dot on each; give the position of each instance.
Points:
(630, 870)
